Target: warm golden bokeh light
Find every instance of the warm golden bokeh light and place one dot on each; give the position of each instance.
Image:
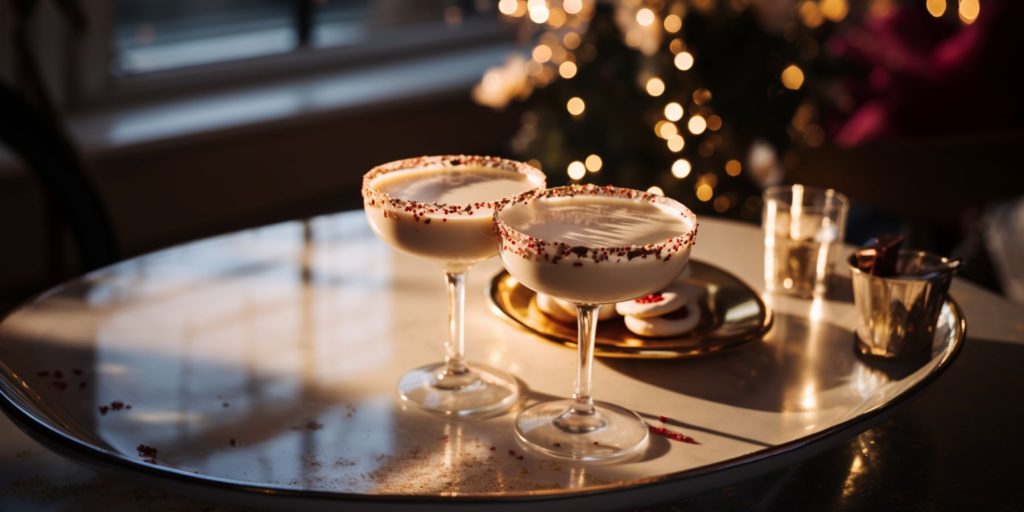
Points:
(733, 167)
(567, 69)
(714, 123)
(542, 53)
(684, 61)
(576, 170)
(834, 10)
(673, 111)
(792, 77)
(572, 6)
(593, 163)
(667, 130)
(704, 192)
(538, 11)
(673, 23)
(701, 96)
(722, 204)
(969, 10)
(571, 40)
(696, 125)
(655, 87)
(681, 168)
(507, 7)
(645, 17)
(656, 190)
(676, 143)
(676, 45)
(936, 7)
(810, 14)
(575, 105)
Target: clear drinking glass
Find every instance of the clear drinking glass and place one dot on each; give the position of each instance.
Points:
(442, 208)
(591, 245)
(802, 228)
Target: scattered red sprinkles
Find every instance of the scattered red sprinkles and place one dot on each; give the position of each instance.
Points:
(76, 371)
(663, 419)
(43, 373)
(103, 409)
(60, 385)
(225, 404)
(147, 452)
(232, 442)
(58, 374)
(675, 436)
(312, 425)
(81, 385)
(116, 405)
(512, 453)
(651, 299)
(494, 448)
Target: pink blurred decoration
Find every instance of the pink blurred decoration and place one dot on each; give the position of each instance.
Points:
(927, 76)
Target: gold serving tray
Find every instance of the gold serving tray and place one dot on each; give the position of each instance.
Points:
(732, 314)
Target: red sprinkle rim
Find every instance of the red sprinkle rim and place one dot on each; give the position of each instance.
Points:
(418, 210)
(533, 248)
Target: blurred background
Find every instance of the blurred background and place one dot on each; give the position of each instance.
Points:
(131, 125)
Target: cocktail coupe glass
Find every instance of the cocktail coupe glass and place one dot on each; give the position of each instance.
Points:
(591, 245)
(441, 208)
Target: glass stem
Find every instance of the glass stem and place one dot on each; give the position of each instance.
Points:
(586, 320)
(455, 345)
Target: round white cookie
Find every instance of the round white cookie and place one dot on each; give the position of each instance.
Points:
(549, 306)
(565, 311)
(672, 324)
(673, 297)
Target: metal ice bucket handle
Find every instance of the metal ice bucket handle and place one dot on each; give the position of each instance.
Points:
(898, 314)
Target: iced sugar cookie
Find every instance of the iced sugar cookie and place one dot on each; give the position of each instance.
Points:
(673, 297)
(676, 323)
(565, 311)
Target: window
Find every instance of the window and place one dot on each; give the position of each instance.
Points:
(136, 48)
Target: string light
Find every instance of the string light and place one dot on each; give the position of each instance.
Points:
(733, 168)
(969, 10)
(792, 77)
(810, 14)
(714, 123)
(576, 170)
(936, 7)
(667, 130)
(834, 10)
(656, 190)
(538, 11)
(645, 17)
(572, 6)
(507, 7)
(576, 106)
(571, 40)
(673, 111)
(676, 45)
(681, 168)
(705, 192)
(593, 163)
(673, 23)
(684, 61)
(697, 125)
(676, 143)
(655, 87)
(542, 53)
(567, 69)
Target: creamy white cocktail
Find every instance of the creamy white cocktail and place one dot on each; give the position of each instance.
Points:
(442, 208)
(591, 245)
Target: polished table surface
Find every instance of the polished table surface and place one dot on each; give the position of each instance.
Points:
(954, 447)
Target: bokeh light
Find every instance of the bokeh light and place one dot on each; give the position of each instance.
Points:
(593, 163)
(684, 60)
(696, 125)
(655, 86)
(673, 23)
(733, 167)
(576, 170)
(656, 190)
(567, 69)
(673, 111)
(676, 143)
(936, 7)
(792, 77)
(681, 168)
(575, 106)
(645, 17)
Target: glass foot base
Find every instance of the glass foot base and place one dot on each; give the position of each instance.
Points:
(612, 432)
(481, 392)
